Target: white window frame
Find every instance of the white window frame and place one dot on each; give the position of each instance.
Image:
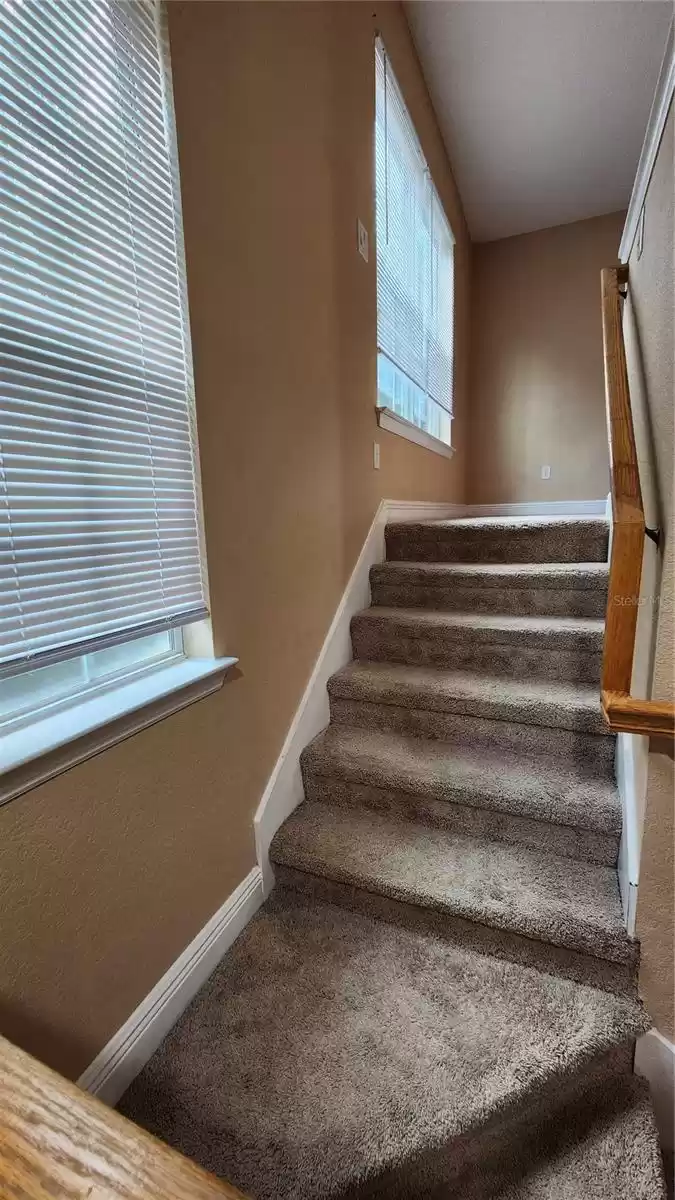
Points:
(65, 726)
(387, 417)
(44, 696)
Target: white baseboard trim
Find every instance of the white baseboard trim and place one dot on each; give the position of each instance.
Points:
(655, 1060)
(539, 508)
(631, 764)
(127, 1052)
(284, 788)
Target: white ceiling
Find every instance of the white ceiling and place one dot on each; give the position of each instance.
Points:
(543, 104)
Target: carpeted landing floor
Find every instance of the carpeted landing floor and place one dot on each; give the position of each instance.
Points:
(439, 1001)
(332, 1054)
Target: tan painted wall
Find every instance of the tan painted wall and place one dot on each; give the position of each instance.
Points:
(536, 364)
(652, 320)
(108, 871)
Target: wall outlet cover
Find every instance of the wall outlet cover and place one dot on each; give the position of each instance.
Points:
(362, 240)
(546, 472)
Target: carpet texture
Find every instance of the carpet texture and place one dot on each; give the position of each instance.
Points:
(555, 705)
(560, 802)
(439, 1000)
(332, 1054)
(565, 590)
(550, 899)
(422, 719)
(568, 648)
(500, 540)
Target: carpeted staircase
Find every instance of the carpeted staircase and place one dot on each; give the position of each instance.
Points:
(439, 999)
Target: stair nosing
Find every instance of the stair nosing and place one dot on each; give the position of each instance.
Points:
(420, 625)
(622, 953)
(524, 523)
(338, 686)
(452, 617)
(524, 576)
(463, 797)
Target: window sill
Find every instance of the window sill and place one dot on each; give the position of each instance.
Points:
(391, 421)
(45, 748)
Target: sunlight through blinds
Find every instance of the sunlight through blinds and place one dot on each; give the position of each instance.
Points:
(99, 510)
(414, 269)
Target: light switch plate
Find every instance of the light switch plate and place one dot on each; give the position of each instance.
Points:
(362, 239)
(376, 455)
(546, 472)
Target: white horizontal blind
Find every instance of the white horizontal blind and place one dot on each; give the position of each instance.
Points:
(414, 260)
(441, 315)
(99, 529)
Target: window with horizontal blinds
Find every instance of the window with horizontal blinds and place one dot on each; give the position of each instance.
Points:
(414, 269)
(99, 511)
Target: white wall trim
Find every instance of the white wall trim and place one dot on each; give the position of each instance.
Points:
(48, 747)
(650, 147)
(127, 1052)
(393, 423)
(655, 1060)
(284, 789)
(539, 508)
(631, 764)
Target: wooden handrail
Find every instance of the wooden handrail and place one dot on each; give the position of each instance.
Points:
(57, 1141)
(623, 712)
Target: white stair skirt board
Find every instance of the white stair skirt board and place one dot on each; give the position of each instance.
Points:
(284, 789)
(127, 1052)
(655, 1060)
(539, 508)
(631, 762)
(632, 750)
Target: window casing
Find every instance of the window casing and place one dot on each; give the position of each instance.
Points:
(101, 560)
(415, 270)
(28, 696)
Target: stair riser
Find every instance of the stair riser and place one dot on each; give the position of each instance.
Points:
(460, 813)
(496, 705)
(534, 662)
(517, 602)
(414, 543)
(620, 978)
(509, 1143)
(562, 1110)
(594, 754)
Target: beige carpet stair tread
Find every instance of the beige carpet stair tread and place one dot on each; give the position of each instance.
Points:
(329, 1049)
(541, 702)
(500, 539)
(617, 1156)
(531, 893)
(526, 524)
(535, 788)
(561, 576)
(559, 633)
